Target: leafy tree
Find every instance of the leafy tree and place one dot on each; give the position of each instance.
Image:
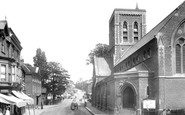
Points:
(101, 50)
(40, 58)
(54, 76)
(82, 85)
(40, 61)
(57, 79)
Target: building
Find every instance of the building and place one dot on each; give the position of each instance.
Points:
(11, 76)
(89, 87)
(147, 75)
(33, 86)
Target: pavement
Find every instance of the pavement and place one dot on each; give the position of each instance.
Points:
(89, 107)
(95, 111)
(37, 111)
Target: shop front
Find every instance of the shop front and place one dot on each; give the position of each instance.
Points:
(13, 104)
(29, 101)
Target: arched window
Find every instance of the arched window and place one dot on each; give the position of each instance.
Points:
(125, 31)
(180, 55)
(128, 98)
(135, 27)
(136, 37)
(124, 26)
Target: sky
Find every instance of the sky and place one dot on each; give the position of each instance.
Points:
(67, 30)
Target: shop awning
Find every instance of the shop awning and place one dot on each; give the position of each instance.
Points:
(2, 100)
(23, 96)
(10, 99)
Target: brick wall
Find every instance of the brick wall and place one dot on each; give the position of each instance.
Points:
(28, 84)
(175, 93)
(111, 95)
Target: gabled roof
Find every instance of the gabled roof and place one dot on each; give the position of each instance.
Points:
(102, 67)
(139, 68)
(149, 36)
(14, 39)
(29, 69)
(3, 24)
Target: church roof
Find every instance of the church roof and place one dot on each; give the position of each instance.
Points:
(121, 9)
(3, 24)
(137, 69)
(149, 36)
(140, 68)
(127, 12)
(101, 67)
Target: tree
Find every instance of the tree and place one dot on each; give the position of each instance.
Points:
(57, 80)
(101, 50)
(79, 84)
(40, 58)
(40, 61)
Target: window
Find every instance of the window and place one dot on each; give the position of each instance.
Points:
(7, 47)
(13, 74)
(136, 37)
(125, 39)
(12, 52)
(129, 64)
(124, 26)
(3, 72)
(149, 52)
(3, 46)
(148, 90)
(137, 58)
(134, 60)
(125, 31)
(144, 55)
(180, 55)
(135, 27)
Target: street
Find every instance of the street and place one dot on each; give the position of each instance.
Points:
(63, 108)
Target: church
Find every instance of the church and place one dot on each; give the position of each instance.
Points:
(145, 74)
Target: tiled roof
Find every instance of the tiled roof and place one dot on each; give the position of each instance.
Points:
(139, 68)
(102, 67)
(29, 69)
(2, 24)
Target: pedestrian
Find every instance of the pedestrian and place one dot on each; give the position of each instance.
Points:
(1, 112)
(7, 111)
(41, 105)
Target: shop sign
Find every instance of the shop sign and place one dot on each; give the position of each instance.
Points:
(149, 104)
(4, 91)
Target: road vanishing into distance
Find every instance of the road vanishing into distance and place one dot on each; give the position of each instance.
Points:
(64, 108)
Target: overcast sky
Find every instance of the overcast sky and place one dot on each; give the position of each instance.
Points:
(66, 30)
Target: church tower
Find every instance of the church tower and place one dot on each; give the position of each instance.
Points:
(126, 28)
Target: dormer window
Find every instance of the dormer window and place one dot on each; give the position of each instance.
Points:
(3, 46)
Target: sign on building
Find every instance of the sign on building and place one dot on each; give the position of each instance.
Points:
(149, 104)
